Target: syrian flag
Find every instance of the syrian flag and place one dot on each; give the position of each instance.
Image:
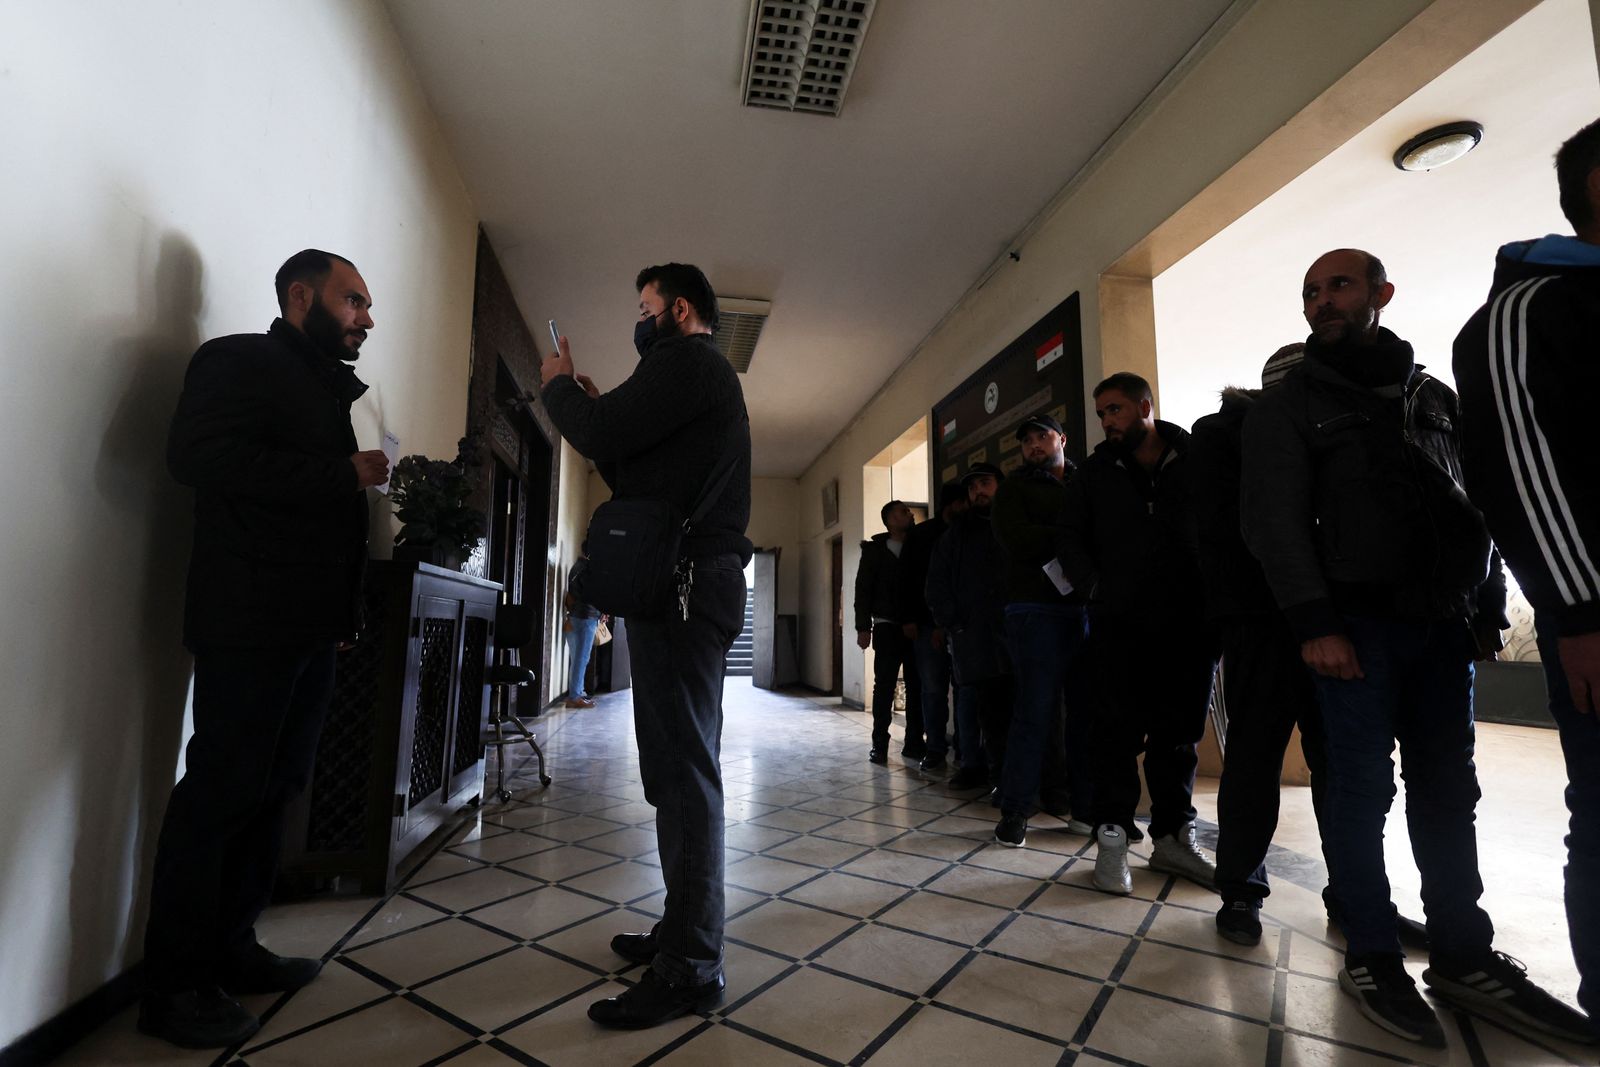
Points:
(1049, 352)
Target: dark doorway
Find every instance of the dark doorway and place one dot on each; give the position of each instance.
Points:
(520, 475)
(836, 638)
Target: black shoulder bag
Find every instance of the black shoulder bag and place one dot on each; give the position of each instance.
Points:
(634, 547)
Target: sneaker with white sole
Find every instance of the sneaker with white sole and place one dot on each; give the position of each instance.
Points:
(1179, 854)
(1111, 874)
(1389, 997)
(1498, 985)
(1011, 831)
(1079, 827)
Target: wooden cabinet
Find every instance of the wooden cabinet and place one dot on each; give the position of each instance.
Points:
(401, 748)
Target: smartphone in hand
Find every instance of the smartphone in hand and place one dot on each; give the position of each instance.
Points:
(555, 338)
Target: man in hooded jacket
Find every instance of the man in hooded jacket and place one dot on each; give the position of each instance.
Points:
(1526, 368)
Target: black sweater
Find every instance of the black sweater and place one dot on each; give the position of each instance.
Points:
(1129, 534)
(262, 433)
(659, 435)
(1528, 376)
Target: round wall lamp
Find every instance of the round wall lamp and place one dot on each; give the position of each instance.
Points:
(1433, 148)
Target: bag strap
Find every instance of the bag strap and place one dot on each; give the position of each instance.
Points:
(717, 480)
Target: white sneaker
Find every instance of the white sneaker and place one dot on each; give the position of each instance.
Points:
(1079, 827)
(1179, 854)
(1111, 874)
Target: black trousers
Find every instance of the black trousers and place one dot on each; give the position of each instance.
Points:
(1153, 688)
(257, 715)
(892, 650)
(677, 718)
(1269, 691)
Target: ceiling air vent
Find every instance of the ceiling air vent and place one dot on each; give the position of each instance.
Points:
(740, 328)
(802, 53)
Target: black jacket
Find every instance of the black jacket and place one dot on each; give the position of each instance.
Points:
(877, 583)
(1027, 517)
(1234, 585)
(262, 433)
(660, 433)
(1128, 534)
(1351, 499)
(913, 577)
(1529, 376)
(965, 591)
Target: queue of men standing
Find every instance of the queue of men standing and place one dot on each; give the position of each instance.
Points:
(1335, 538)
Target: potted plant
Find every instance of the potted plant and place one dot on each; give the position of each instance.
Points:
(430, 499)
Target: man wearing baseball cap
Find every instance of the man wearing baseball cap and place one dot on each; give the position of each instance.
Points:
(1045, 628)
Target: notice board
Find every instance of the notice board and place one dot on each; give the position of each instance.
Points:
(1042, 370)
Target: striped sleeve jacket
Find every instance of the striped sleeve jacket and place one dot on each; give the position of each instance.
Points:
(1527, 369)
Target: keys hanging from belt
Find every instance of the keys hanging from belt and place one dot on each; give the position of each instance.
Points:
(684, 574)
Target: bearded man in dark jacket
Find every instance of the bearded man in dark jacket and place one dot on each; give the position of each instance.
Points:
(262, 433)
(1352, 502)
(1127, 536)
(1526, 368)
(965, 591)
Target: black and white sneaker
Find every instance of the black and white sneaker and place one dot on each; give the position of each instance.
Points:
(1498, 985)
(1389, 997)
(1011, 830)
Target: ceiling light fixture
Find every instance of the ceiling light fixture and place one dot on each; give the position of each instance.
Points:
(1434, 148)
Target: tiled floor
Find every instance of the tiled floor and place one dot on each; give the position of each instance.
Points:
(870, 920)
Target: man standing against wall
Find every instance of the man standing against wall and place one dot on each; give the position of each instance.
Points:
(1528, 375)
(928, 651)
(1125, 536)
(965, 590)
(263, 435)
(880, 627)
(662, 433)
(1045, 630)
(1351, 499)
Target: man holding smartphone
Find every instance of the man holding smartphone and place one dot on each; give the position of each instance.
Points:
(662, 433)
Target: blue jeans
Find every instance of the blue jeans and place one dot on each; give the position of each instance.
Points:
(1045, 747)
(933, 671)
(580, 639)
(1580, 743)
(1417, 691)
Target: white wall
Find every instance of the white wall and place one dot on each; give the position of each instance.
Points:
(1224, 308)
(160, 163)
(1227, 102)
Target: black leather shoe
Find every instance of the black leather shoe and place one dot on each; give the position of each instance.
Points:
(878, 756)
(654, 1000)
(933, 763)
(259, 970)
(635, 948)
(914, 752)
(196, 1018)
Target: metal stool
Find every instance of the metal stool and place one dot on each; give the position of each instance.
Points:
(513, 628)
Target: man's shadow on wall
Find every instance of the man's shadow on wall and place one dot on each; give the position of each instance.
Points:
(131, 747)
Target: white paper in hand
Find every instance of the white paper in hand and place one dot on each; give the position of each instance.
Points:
(391, 452)
(1052, 570)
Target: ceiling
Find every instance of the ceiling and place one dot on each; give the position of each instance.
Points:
(1224, 308)
(598, 137)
